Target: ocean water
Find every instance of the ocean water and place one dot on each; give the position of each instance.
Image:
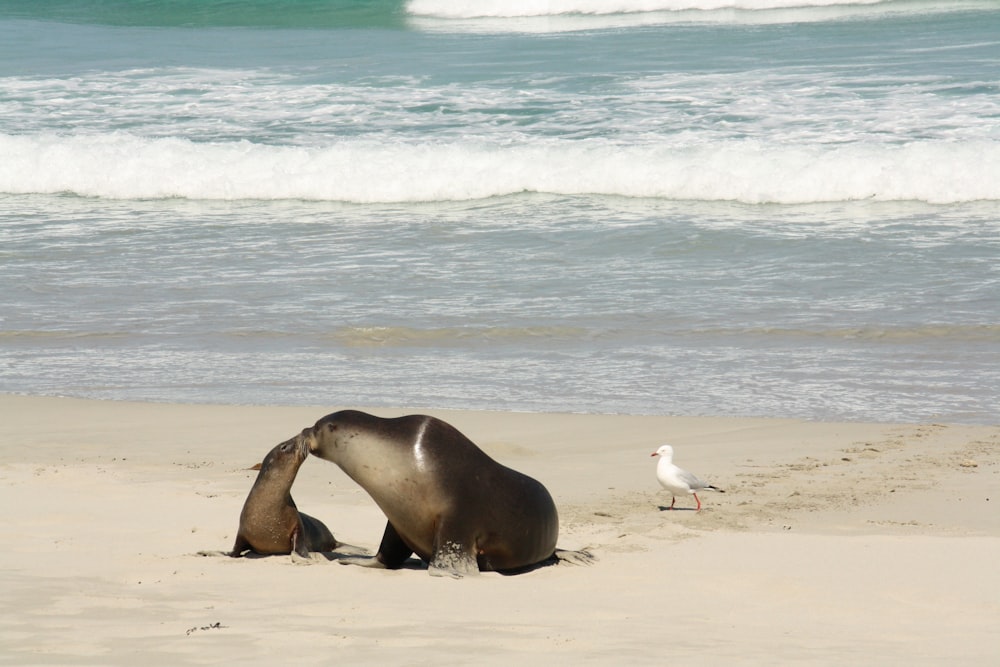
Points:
(783, 208)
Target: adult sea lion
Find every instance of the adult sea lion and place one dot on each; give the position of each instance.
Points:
(270, 523)
(444, 498)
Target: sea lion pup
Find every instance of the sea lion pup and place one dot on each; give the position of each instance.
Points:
(270, 523)
(444, 498)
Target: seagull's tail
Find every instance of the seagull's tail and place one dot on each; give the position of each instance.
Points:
(715, 488)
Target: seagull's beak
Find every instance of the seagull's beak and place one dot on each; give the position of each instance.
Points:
(653, 454)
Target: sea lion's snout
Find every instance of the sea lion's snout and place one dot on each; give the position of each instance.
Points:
(308, 441)
(292, 447)
(302, 442)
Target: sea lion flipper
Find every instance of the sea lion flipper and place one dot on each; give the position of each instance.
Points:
(392, 550)
(582, 557)
(453, 556)
(346, 550)
(318, 536)
(300, 544)
(240, 546)
(363, 561)
(453, 565)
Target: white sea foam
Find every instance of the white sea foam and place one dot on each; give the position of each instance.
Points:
(787, 105)
(570, 15)
(512, 8)
(123, 166)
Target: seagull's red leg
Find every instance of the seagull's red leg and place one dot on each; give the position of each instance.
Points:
(673, 499)
(698, 508)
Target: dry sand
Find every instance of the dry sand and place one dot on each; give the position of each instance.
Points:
(870, 544)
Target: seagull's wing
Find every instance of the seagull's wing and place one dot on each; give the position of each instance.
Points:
(691, 479)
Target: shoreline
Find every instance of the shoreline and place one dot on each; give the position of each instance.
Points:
(833, 542)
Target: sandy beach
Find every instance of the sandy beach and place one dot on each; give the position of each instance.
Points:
(835, 543)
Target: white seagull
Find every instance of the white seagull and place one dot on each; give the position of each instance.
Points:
(677, 480)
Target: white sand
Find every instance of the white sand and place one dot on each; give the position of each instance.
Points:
(833, 544)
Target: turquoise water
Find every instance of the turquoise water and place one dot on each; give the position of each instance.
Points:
(661, 206)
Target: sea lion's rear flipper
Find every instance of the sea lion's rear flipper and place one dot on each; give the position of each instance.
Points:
(582, 557)
(454, 550)
(318, 536)
(452, 560)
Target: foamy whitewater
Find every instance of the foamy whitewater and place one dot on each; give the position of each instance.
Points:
(729, 207)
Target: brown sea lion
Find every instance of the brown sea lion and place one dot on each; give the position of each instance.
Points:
(270, 523)
(444, 498)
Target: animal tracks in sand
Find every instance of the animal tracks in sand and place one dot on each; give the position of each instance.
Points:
(840, 486)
